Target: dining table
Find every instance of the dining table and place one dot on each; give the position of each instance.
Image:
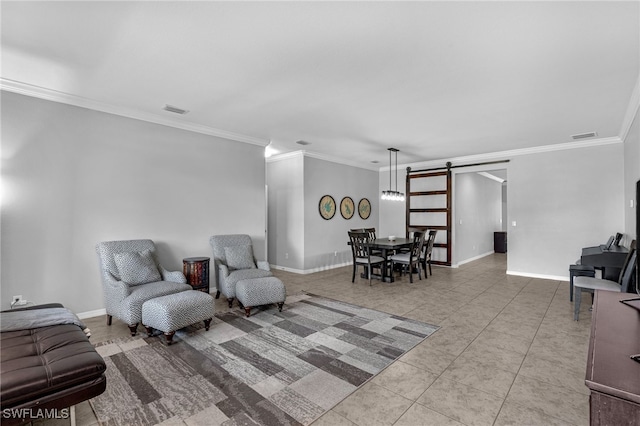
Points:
(387, 247)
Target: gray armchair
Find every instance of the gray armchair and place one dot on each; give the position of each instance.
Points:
(131, 275)
(233, 261)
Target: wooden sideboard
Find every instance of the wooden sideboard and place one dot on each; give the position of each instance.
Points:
(612, 376)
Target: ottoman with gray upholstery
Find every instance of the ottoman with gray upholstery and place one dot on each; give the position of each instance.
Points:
(260, 291)
(175, 311)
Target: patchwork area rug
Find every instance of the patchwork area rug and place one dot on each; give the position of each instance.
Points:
(273, 368)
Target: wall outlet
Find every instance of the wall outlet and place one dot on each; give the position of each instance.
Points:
(335, 254)
(286, 255)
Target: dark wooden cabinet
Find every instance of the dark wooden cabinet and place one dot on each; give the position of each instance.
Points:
(196, 269)
(612, 376)
(500, 242)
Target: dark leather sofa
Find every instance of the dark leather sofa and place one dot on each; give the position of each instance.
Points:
(47, 368)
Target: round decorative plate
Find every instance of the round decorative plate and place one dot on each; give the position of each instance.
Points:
(364, 208)
(347, 208)
(327, 207)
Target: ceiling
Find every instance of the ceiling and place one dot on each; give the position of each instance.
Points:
(437, 80)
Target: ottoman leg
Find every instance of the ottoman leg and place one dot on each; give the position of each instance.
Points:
(169, 336)
(149, 330)
(230, 300)
(280, 305)
(247, 310)
(218, 294)
(134, 329)
(207, 323)
(109, 318)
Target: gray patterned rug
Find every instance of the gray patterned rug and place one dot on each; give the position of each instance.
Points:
(273, 368)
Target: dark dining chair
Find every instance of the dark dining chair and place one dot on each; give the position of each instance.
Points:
(411, 259)
(427, 249)
(362, 254)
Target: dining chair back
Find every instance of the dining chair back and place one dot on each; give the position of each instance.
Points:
(362, 253)
(411, 259)
(427, 249)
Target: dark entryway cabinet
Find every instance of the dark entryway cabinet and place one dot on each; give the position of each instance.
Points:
(500, 242)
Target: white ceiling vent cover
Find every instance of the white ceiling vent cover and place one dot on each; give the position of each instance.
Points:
(175, 110)
(584, 135)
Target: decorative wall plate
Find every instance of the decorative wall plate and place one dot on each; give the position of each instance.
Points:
(347, 207)
(364, 208)
(327, 207)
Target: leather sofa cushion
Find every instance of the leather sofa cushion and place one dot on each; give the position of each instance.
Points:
(39, 362)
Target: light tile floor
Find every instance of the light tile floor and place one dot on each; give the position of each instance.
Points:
(508, 351)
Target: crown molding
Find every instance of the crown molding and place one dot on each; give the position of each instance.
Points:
(303, 153)
(285, 156)
(331, 159)
(632, 110)
(492, 177)
(69, 99)
(78, 101)
(501, 155)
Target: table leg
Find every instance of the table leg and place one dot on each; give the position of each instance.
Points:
(386, 276)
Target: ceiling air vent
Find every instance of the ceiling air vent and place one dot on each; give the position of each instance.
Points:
(175, 110)
(303, 143)
(584, 136)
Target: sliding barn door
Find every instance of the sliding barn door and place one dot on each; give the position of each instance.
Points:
(429, 206)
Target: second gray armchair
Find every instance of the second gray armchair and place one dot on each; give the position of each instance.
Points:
(233, 261)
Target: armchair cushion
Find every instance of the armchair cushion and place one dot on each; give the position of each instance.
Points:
(137, 267)
(239, 257)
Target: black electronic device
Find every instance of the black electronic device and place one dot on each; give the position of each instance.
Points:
(609, 243)
(618, 238)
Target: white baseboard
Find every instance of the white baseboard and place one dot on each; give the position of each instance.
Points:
(480, 256)
(540, 276)
(310, 271)
(91, 314)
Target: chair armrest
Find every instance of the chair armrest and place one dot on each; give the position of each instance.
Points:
(173, 276)
(264, 265)
(224, 271)
(118, 290)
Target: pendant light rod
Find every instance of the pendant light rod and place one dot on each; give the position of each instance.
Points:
(390, 149)
(396, 151)
(390, 194)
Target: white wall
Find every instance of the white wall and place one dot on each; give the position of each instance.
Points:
(296, 183)
(562, 201)
(477, 213)
(323, 238)
(505, 203)
(285, 181)
(631, 176)
(72, 177)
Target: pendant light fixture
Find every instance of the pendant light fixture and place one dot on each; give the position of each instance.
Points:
(393, 195)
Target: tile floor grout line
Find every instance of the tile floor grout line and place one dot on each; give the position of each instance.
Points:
(457, 356)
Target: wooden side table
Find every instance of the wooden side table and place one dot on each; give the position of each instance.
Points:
(196, 269)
